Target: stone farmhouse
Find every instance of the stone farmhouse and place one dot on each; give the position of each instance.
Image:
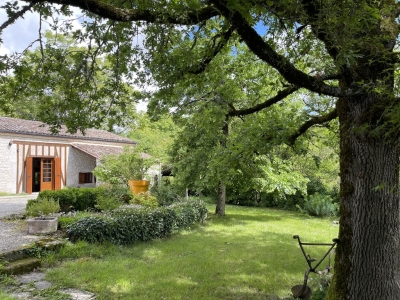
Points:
(32, 159)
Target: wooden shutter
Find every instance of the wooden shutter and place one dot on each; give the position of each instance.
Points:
(29, 174)
(57, 173)
(81, 178)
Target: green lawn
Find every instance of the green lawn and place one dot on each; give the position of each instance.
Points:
(249, 254)
(4, 296)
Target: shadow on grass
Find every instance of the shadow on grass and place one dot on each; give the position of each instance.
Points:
(240, 256)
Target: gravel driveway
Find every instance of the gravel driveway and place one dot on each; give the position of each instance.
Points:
(13, 234)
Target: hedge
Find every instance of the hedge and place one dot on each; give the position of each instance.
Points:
(78, 199)
(131, 225)
(81, 199)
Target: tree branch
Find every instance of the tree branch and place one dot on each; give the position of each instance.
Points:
(396, 11)
(280, 96)
(111, 12)
(17, 15)
(202, 66)
(267, 54)
(313, 121)
(312, 11)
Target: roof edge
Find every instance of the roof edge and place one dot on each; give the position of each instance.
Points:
(67, 137)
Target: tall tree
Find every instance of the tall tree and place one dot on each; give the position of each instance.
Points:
(215, 149)
(56, 78)
(351, 49)
(155, 137)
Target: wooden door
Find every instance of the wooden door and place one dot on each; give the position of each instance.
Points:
(47, 174)
(57, 173)
(29, 174)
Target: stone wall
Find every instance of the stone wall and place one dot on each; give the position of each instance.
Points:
(79, 162)
(8, 170)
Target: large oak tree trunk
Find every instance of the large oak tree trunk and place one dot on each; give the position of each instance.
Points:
(366, 257)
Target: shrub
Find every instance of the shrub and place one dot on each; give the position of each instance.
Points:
(188, 213)
(130, 225)
(266, 199)
(320, 286)
(42, 206)
(74, 198)
(72, 217)
(120, 192)
(86, 198)
(107, 202)
(166, 195)
(319, 205)
(144, 199)
(66, 198)
(131, 164)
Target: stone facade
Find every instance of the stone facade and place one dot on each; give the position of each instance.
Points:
(79, 162)
(8, 162)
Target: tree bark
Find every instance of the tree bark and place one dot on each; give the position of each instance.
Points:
(366, 256)
(220, 208)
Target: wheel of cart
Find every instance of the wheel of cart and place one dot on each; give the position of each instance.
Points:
(303, 291)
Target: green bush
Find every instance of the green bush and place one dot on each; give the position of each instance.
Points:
(119, 192)
(104, 203)
(66, 198)
(67, 219)
(319, 205)
(144, 199)
(265, 199)
(43, 206)
(86, 198)
(189, 212)
(131, 164)
(130, 225)
(320, 286)
(112, 196)
(166, 195)
(79, 199)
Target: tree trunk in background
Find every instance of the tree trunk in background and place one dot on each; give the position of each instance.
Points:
(366, 256)
(221, 198)
(220, 209)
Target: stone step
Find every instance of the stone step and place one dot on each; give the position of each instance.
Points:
(29, 250)
(20, 266)
(23, 260)
(17, 254)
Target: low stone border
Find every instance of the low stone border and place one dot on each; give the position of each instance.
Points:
(28, 286)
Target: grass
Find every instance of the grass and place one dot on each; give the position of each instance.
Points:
(249, 254)
(4, 296)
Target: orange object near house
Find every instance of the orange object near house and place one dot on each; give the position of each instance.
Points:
(138, 186)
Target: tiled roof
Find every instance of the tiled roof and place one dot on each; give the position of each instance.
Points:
(19, 126)
(98, 151)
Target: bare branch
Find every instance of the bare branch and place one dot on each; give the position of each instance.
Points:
(112, 12)
(280, 96)
(313, 121)
(17, 15)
